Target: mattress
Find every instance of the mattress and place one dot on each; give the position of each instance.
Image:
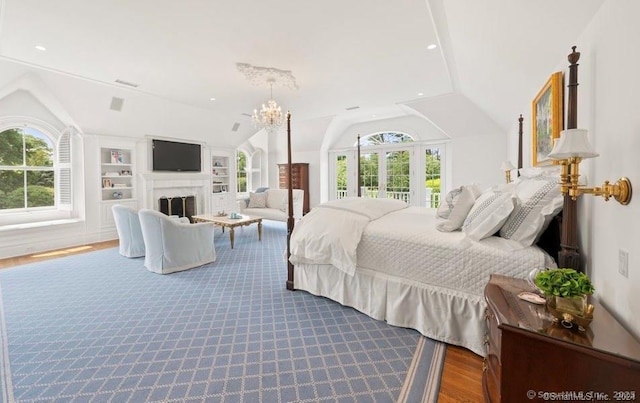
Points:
(406, 243)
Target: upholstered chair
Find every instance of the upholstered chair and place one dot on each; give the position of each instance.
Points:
(129, 231)
(172, 245)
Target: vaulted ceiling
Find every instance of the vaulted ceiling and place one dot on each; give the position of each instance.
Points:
(373, 54)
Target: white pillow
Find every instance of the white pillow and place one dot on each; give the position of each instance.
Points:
(488, 214)
(454, 209)
(257, 200)
(540, 200)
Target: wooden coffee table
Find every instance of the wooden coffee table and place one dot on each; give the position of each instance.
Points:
(231, 223)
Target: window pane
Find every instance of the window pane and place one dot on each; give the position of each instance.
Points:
(432, 175)
(369, 174)
(241, 177)
(40, 189)
(39, 148)
(11, 147)
(341, 176)
(11, 189)
(398, 176)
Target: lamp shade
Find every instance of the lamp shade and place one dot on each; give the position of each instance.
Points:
(507, 166)
(572, 143)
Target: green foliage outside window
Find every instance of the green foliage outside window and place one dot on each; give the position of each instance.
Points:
(241, 176)
(26, 169)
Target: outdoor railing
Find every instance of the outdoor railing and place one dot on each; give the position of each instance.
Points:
(432, 199)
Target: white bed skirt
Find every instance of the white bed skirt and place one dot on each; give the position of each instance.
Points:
(438, 313)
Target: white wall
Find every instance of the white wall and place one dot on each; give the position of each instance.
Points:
(608, 105)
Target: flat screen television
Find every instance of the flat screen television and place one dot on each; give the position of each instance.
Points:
(175, 156)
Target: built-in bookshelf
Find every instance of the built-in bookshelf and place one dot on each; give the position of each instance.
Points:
(220, 174)
(116, 174)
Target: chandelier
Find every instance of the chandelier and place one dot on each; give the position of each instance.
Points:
(269, 117)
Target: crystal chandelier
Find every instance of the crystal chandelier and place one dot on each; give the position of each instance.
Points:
(270, 116)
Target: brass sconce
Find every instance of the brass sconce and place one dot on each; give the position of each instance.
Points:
(507, 167)
(570, 150)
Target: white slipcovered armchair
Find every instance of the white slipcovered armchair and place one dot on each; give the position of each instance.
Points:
(172, 245)
(131, 243)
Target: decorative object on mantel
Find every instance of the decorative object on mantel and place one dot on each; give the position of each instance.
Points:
(566, 291)
(270, 116)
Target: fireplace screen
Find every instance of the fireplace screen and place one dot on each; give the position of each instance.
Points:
(183, 206)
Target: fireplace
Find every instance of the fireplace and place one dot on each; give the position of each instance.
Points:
(170, 185)
(183, 206)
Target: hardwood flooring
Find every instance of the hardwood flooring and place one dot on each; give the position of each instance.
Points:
(461, 376)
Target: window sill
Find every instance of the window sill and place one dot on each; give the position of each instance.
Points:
(39, 224)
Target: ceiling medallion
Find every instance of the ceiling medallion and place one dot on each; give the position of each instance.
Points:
(260, 76)
(270, 116)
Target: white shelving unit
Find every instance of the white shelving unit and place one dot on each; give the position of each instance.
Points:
(220, 174)
(222, 182)
(116, 174)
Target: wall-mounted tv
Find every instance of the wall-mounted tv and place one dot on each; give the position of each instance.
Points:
(175, 156)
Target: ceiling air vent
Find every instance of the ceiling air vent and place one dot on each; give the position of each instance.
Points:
(235, 127)
(116, 104)
(127, 83)
(246, 114)
(352, 108)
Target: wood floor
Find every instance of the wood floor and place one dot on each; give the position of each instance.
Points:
(461, 375)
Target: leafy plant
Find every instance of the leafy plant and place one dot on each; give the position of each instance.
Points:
(563, 282)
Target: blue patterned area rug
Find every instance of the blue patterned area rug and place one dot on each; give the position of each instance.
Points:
(99, 327)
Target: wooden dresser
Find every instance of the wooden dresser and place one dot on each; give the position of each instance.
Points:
(299, 179)
(529, 357)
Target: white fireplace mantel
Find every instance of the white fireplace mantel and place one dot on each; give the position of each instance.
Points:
(176, 184)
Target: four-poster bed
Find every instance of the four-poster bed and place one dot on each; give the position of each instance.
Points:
(403, 270)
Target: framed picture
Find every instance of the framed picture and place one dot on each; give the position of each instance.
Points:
(116, 157)
(547, 119)
(106, 183)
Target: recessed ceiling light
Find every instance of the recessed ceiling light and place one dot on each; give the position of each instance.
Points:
(420, 94)
(212, 99)
(373, 116)
(40, 47)
(432, 46)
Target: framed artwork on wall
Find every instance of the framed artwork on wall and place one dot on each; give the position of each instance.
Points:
(547, 119)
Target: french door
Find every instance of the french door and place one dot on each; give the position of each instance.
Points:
(411, 173)
(386, 173)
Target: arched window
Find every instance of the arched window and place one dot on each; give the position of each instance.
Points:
(385, 138)
(35, 172)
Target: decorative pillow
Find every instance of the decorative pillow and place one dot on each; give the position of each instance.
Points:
(488, 214)
(540, 200)
(257, 200)
(454, 209)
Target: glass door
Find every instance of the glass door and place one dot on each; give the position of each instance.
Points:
(397, 178)
(370, 175)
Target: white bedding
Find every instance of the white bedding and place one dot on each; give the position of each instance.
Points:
(407, 244)
(331, 232)
(412, 275)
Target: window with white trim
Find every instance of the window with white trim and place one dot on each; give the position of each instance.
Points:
(35, 170)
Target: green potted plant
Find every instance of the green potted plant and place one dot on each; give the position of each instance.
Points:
(568, 288)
